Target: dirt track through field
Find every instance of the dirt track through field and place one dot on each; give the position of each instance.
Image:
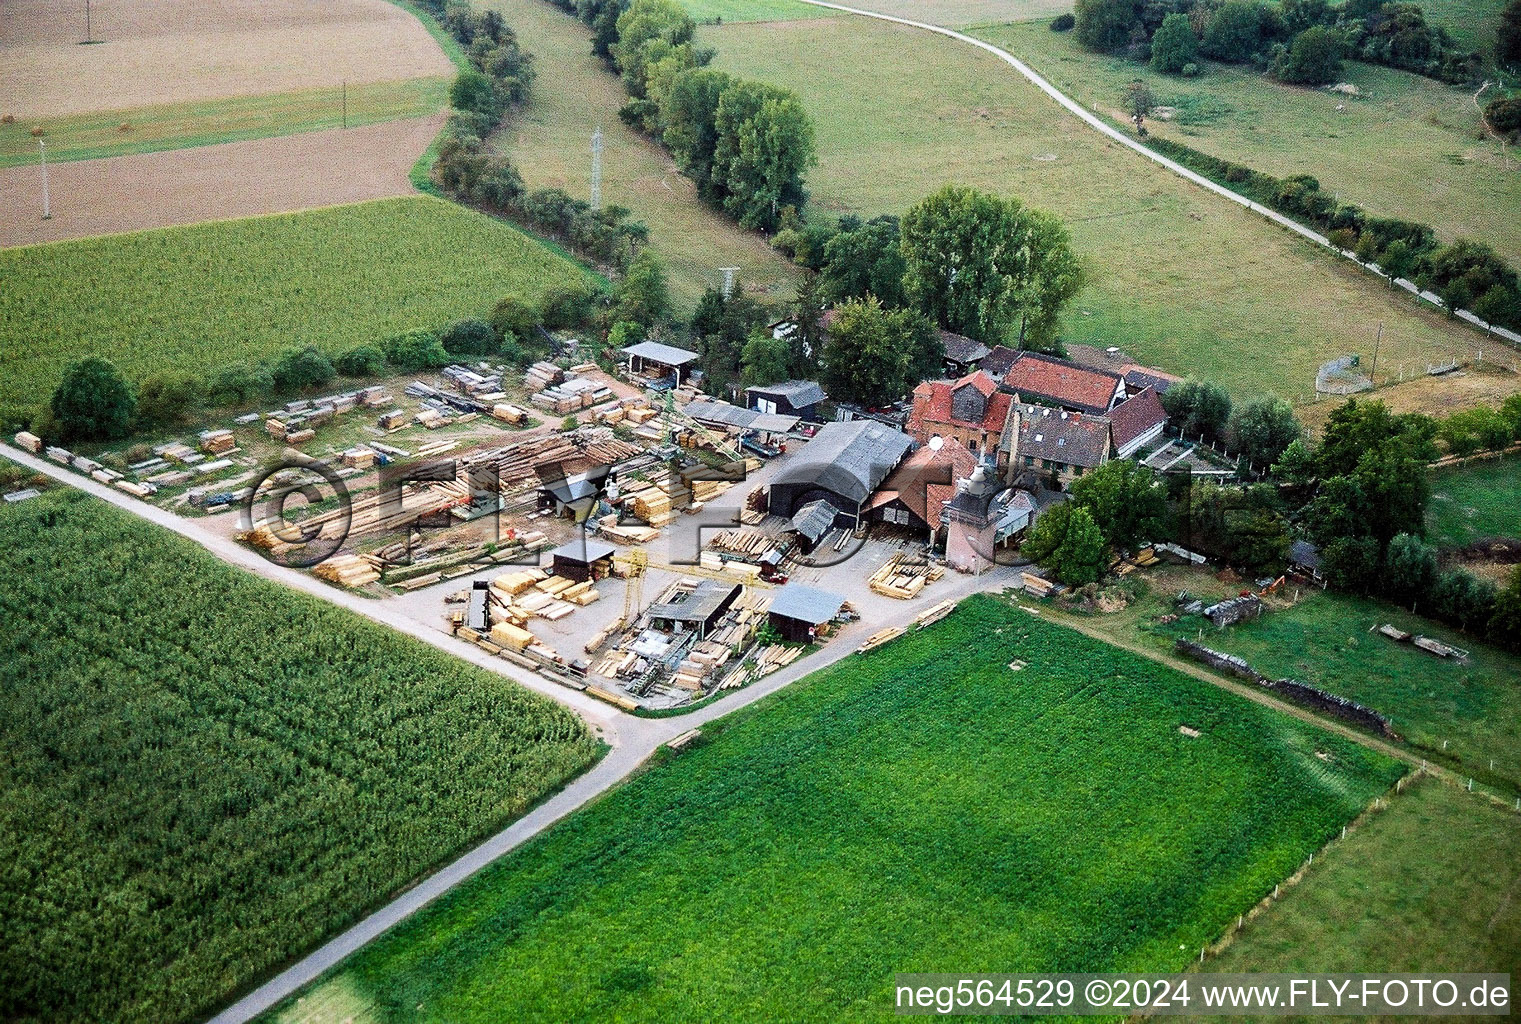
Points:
(176, 51)
(237, 179)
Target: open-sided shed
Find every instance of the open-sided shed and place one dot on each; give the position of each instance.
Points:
(797, 611)
(582, 559)
(654, 359)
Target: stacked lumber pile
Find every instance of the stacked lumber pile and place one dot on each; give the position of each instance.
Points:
(518, 463)
(572, 396)
(176, 452)
(374, 397)
(932, 615)
(707, 490)
(747, 543)
(393, 420)
(542, 375)
(275, 428)
(657, 503)
(1035, 585)
(216, 442)
(296, 438)
(430, 418)
(880, 637)
(359, 458)
(31, 442)
(608, 527)
(641, 415)
(903, 577)
(767, 661)
(349, 570)
(511, 636)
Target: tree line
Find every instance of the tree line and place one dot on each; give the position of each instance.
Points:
(745, 144)
(1298, 41)
(1465, 274)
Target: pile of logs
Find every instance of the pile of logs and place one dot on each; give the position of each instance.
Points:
(349, 570)
(751, 543)
(880, 637)
(658, 503)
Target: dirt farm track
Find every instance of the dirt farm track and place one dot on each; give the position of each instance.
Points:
(176, 51)
(236, 179)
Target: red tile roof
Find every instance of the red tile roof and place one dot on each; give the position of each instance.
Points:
(1136, 415)
(932, 404)
(917, 482)
(1033, 375)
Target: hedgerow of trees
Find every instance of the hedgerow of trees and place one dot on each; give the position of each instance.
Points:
(746, 145)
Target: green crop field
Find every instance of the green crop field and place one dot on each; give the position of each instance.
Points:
(1178, 277)
(1444, 175)
(912, 809)
(196, 297)
(549, 139)
(183, 125)
(1480, 500)
(1427, 885)
(204, 773)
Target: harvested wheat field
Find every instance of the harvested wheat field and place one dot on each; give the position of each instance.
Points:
(173, 51)
(236, 179)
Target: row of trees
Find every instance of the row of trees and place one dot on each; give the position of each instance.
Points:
(1299, 41)
(745, 144)
(1464, 274)
(94, 400)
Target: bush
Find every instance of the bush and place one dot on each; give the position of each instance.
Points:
(1105, 25)
(1313, 58)
(238, 383)
(167, 397)
(1174, 46)
(362, 361)
(476, 93)
(1063, 23)
(512, 317)
(470, 337)
(1191, 70)
(1504, 115)
(563, 307)
(302, 369)
(415, 350)
(93, 402)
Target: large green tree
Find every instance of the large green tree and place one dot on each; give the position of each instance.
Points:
(647, 32)
(1198, 408)
(1174, 46)
(985, 266)
(93, 402)
(1313, 58)
(1126, 500)
(764, 144)
(689, 114)
(1066, 539)
(1508, 41)
(642, 296)
(875, 355)
(1263, 429)
(1106, 25)
(867, 260)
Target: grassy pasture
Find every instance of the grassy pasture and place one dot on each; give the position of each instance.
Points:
(1482, 499)
(1178, 277)
(184, 125)
(1325, 640)
(194, 298)
(905, 810)
(549, 139)
(204, 773)
(707, 11)
(1410, 147)
(1427, 885)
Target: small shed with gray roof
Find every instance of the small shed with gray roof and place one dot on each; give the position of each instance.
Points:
(582, 559)
(799, 398)
(654, 359)
(797, 611)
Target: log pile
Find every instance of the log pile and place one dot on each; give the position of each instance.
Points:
(932, 615)
(743, 542)
(216, 442)
(657, 503)
(880, 637)
(348, 570)
(508, 413)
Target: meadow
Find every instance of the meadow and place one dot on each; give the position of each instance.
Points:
(549, 139)
(1177, 277)
(184, 125)
(1327, 640)
(194, 298)
(204, 773)
(912, 809)
(1474, 502)
(1444, 173)
(1427, 884)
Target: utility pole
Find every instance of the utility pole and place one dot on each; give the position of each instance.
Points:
(729, 273)
(1377, 340)
(89, 38)
(345, 102)
(596, 174)
(42, 149)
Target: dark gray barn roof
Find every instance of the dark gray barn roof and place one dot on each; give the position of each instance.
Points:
(798, 393)
(583, 550)
(850, 459)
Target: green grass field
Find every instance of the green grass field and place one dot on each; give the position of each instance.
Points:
(1325, 640)
(1427, 885)
(1178, 277)
(1473, 23)
(184, 125)
(1410, 147)
(549, 139)
(1482, 499)
(708, 11)
(900, 811)
(196, 297)
(204, 774)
